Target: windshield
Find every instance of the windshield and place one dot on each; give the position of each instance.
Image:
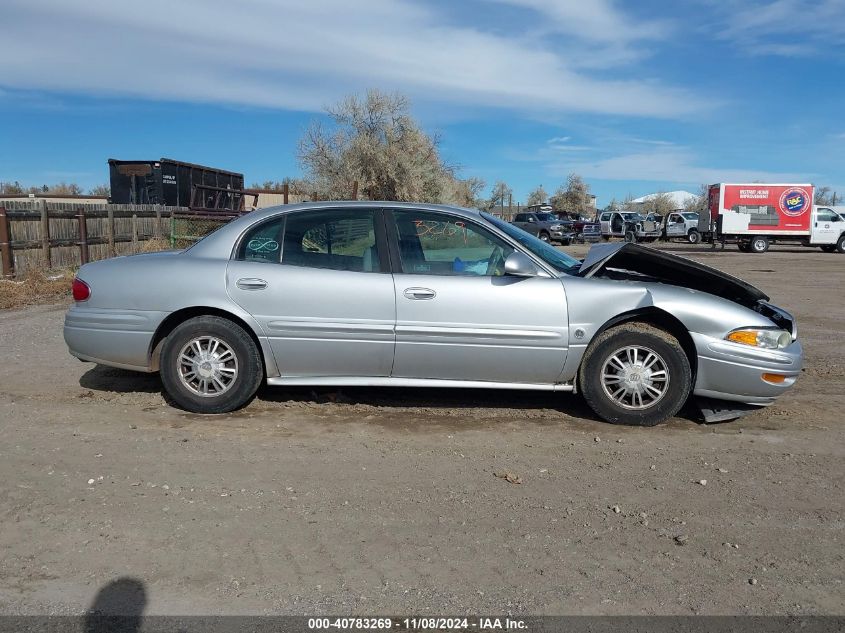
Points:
(629, 217)
(558, 260)
(546, 217)
(690, 216)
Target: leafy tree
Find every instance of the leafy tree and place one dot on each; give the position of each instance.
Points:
(537, 196)
(573, 196)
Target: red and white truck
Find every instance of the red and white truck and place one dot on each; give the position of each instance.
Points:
(755, 215)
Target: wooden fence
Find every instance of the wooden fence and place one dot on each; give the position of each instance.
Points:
(37, 234)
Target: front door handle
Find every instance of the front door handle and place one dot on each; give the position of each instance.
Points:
(251, 283)
(419, 293)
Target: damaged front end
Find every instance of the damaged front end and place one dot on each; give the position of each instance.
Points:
(718, 397)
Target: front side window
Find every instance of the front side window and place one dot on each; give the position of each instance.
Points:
(438, 244)
(826, 215)
(336, 239)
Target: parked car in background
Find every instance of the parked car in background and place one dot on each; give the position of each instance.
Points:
(584, 228)
(631, 226)
(547, 226)
(454, 298)
(682, 224)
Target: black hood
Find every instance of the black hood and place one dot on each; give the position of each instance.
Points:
(648, 264)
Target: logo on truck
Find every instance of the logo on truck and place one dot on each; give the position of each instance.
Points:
(794, 201)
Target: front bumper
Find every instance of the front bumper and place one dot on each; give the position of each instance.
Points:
(732, 371)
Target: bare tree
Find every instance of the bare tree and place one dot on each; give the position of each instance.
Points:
(11, 188)
(466, 192)
(660, 203)
(295, 185)
(572, 197)
(698, 202)
(826, 195)
(500, 194)
(100, 190)
(537, 196)
(374, 141)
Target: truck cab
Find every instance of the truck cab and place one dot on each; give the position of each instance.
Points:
(827, 230)
(683, 224)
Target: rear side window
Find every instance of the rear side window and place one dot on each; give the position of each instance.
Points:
(262, 243)
(335, 239)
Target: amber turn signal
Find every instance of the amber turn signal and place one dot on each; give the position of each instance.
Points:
(749, 337)
(776, 379)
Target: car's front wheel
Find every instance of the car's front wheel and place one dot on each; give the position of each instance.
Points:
(210, 365)
(635, 374)
(545, 237)
(694, 237)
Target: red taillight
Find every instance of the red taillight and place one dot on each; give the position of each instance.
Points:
(80, 289)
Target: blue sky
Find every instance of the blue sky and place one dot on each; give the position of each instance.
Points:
(634, 96)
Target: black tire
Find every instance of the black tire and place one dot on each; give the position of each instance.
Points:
(544, 236)
(829, 248)
(840, 244)
(744, 247)
(249, 367)
(630, 237)
(758, 244)
(676, 389)
(694, 237)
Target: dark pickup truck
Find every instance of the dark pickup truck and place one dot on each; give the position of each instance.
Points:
(547, 226)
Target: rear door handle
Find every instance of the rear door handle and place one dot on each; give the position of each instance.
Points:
(419, 293)
(251, 283)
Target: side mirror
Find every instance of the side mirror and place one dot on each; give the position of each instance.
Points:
(520, 265)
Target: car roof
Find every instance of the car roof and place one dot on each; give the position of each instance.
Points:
(219, 243)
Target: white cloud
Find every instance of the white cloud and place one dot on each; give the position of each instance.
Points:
(303, 55)
(670, 165)
(785, 28)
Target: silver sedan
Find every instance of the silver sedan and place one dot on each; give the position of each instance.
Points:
(413, 295)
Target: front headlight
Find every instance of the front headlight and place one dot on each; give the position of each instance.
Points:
(759, 337)
(555, 227)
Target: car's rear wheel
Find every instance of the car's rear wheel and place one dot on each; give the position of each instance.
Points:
(635, 374)
(210, 365)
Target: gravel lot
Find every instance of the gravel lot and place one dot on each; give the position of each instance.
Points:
(375, 501)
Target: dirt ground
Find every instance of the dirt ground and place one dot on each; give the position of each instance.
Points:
(375, 501)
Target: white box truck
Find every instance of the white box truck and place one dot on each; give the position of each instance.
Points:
(755, 215)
